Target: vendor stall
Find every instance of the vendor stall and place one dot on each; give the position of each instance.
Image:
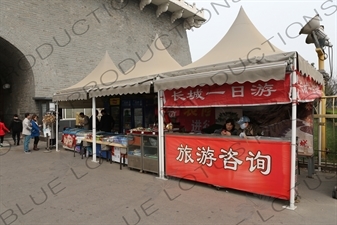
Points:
(242, 70)
(253, 164)
(107, 80)
(263, 165)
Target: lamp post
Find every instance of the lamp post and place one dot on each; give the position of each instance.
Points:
(322, 109)
(315, 34)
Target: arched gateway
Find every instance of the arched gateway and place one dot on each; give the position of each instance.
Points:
(46, 46)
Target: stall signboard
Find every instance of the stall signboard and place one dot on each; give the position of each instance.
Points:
(307, 89)
(116, 154)
(256, 166)
(196, 119)
(260, 92)
(69, 141)
(192, 119)
(114, 101)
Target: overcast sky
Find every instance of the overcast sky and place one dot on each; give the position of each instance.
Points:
(270, 17)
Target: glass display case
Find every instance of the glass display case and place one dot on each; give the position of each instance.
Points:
(143, 151)
(134, 151)
(150, 153)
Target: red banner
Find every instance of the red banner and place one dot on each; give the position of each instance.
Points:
(192, 119)
(257, 166)
(307, 89)
(270, 92)
(69, 141)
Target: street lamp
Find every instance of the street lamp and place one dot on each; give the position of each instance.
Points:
(316, 35)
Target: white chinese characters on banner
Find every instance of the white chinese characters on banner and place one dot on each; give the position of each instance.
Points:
(205, 156)
(229, 161)
(264, 89)
(258, 161)
(307, 90)
(238, 91)
(197, 94)
(178, 95)
(185, 153)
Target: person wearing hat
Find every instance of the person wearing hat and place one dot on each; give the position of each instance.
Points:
(249, 129)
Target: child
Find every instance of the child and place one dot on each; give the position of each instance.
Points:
(3, 130)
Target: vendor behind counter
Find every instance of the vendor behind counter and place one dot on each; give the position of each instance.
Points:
(247, 128)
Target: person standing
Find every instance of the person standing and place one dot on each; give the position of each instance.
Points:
(97, 122)
(26, 132)
(35, 131)
(3, 130)
(85, 121)
(107, 122)
(16, 128)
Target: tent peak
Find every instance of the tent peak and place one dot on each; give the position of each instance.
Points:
(155, 60)
(242, 40)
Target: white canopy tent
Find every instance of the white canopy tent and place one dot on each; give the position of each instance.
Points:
(97, 77)
(139, 78)
(76, 96)
(106, 79)
(244, 55)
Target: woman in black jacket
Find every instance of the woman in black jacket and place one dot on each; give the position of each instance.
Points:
(16, 129)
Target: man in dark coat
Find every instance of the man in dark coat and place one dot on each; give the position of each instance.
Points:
(97, 122)
(107, 122)
(16, 128)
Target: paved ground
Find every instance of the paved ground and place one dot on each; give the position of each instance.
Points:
(57, 188)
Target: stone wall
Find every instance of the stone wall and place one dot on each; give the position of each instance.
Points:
(51, 45)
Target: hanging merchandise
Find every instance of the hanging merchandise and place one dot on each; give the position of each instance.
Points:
(49, 129)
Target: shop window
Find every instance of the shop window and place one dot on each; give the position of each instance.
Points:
(71, 113)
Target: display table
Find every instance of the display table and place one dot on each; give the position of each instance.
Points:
(110, 144)
(257, 165)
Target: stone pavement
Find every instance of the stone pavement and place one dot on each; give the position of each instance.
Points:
(57, 188)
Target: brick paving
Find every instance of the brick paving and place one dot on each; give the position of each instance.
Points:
(58, 188)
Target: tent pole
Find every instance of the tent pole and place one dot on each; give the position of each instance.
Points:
(293, 138)
(94, 130)
(57, 126)
(320, 110)
(161, 151)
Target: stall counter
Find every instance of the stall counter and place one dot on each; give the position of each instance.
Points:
(258, 165)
